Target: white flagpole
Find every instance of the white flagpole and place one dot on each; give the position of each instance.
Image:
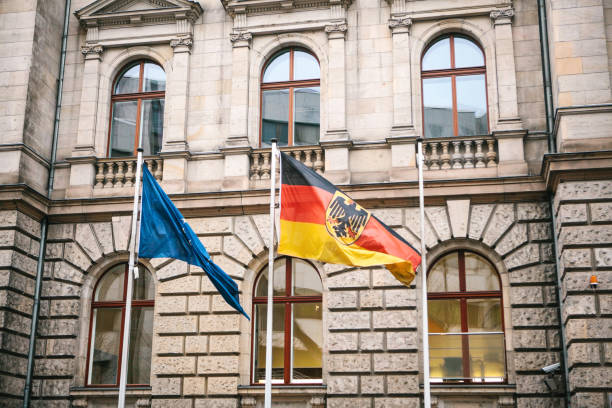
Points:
(425, 320)
(268, 388)
(130, 282)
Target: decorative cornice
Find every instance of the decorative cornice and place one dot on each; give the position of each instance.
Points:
(502, 15)
(234, 7)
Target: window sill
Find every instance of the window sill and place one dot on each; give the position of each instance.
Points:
(139, 396)
(313, 395)
(503, 394)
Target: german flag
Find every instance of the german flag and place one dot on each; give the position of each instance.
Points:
(318, 221)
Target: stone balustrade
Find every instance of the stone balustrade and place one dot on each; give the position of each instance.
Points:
(311, 156)
(460, 153)
(121, 172)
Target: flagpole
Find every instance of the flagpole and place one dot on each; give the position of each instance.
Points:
(268, 388)
(130, 282)
(424, 313)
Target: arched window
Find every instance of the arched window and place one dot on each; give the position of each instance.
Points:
(290, 98)
(106, 328)
(466, 328)
(137, 110)
(454, 88)
(297, 338)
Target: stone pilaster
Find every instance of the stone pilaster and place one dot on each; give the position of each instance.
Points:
(238, 134)
(402, 91)
(336, 103)
(86, 145)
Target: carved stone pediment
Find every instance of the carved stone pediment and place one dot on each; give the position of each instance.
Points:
(132, 12)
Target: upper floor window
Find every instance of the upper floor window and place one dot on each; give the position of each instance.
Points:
(454, 88)
(290, 98)
(137, 110)
(297, 337)
(466, 330)
(106, 328)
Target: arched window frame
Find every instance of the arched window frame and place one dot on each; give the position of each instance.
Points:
(291, 85)
(463, 295)
(95, 305)
(136, 96)
(288, 300)
(453, 73)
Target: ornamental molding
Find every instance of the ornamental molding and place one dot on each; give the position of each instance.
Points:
(502, 14)
(182, 42)
(336, 28)
(234, 7)
(92, 51)
(238, 36)
(400, 24)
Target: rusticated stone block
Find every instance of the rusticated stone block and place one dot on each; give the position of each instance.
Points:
(586, 235)
(196, 344)
(342, 300)
(53, 367)
(174, 365)
(501, 220)
(58, 327)
(262, 223)
(169, 345)
(237, 250)
(121, 232)
(578, 305)
(599, 328)
(458, 214)
(60, 289)
(526, 295)
(394, 319)
(608, 352)
(527, 317)
(531, 384)
(218, 364)
(371, 299)
(246, 231)
(222, 385)
(87, 240)
(402, 384)
(220, 305)
(198, 304)
(359, 278)
(349, 403)
(67, 272)
(349, 320)
(176, 324)
(591, 377)
(439, 220)
(382, 278)
(540, 231)
(396, 402)
(588, 400)
(576, 258)
(104, 233)
(402, 341)
(534, 361)
(224, 343)
(395, 298)
(372, 384)
(603, 257)
(211, 225)
(478, 219)
(171, 403)
(219, 323)
(55, 388)
(579, 281)
(526, 255)
(584, 190)
(395, 362)
(539, 402)
(393, 217)
(194, 385)
(348, 363)
(371, 341)
(166, 386)
(413, 223)
(173, 270)
(578, 353)
(171, 305)
(57, 347)
(64, 307)
(572, 213)
(605, 304)
(533, 211)
(185, 285)
(601, 212)
(342, 384)
(60, 232)
(529, 339)
(54, 250)
(231, 267)
(216, 403)
(342, 341)
(514, 238)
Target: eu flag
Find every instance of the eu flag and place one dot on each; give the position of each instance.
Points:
(165, 234)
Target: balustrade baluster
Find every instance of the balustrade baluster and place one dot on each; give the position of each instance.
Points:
(265, 167)
(129, 175)
(479, 154)
(99, 175)
(318, 164)
(491, 154)
(435, 157)
(108, 175)
(468, 155)
(307, 160)
(445, 157)
(158, 169)
(296, 155)
(457, 156)
(120, 175)
(254, 170)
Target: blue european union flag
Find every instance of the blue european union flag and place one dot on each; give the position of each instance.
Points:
(165, 234)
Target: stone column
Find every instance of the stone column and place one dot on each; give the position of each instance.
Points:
(506, 71)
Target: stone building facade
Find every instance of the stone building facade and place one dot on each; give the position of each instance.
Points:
(540, 215)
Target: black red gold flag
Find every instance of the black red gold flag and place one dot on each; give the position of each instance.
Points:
(318, 221)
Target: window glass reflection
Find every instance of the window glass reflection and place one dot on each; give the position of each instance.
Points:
(110, 286)
(306, 281)
(104, 352)
(279, 280)
(445, 357)
(278, 69)
(275, 117)
(306, 116)
(471, 105)
(479, 274)
(307, 336)
(467, 54)
(141, 332)
(152, 125)
(437, 56)
(444, 316)
(444, 277)
(123, 128)
(438, 107)
(129, 81)
(154, 78)
(484, 315)
(144, 286)
(487, 359)
(305, 66)
(278, 342)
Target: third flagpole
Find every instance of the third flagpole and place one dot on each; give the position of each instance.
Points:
(424, 313)
(268, 387)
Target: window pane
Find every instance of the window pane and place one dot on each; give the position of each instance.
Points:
(104, 354)
(275, 116)
(123, 128)
(444, 316)
(278, 342)
(305, 66)
(487, 357)
(279, 280)
(444, 277)
(154, 78)
(110, 287)
(467, 54)
(278, 69)
(484, 315)
(438, 106)
(306, 116)
(307, 336)
(128, 82)
(445, 357)
(437, 56)
(152, 125)
(306, 281)
(471, 105)
(479, 274)
(141, 335)
(144, 286)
